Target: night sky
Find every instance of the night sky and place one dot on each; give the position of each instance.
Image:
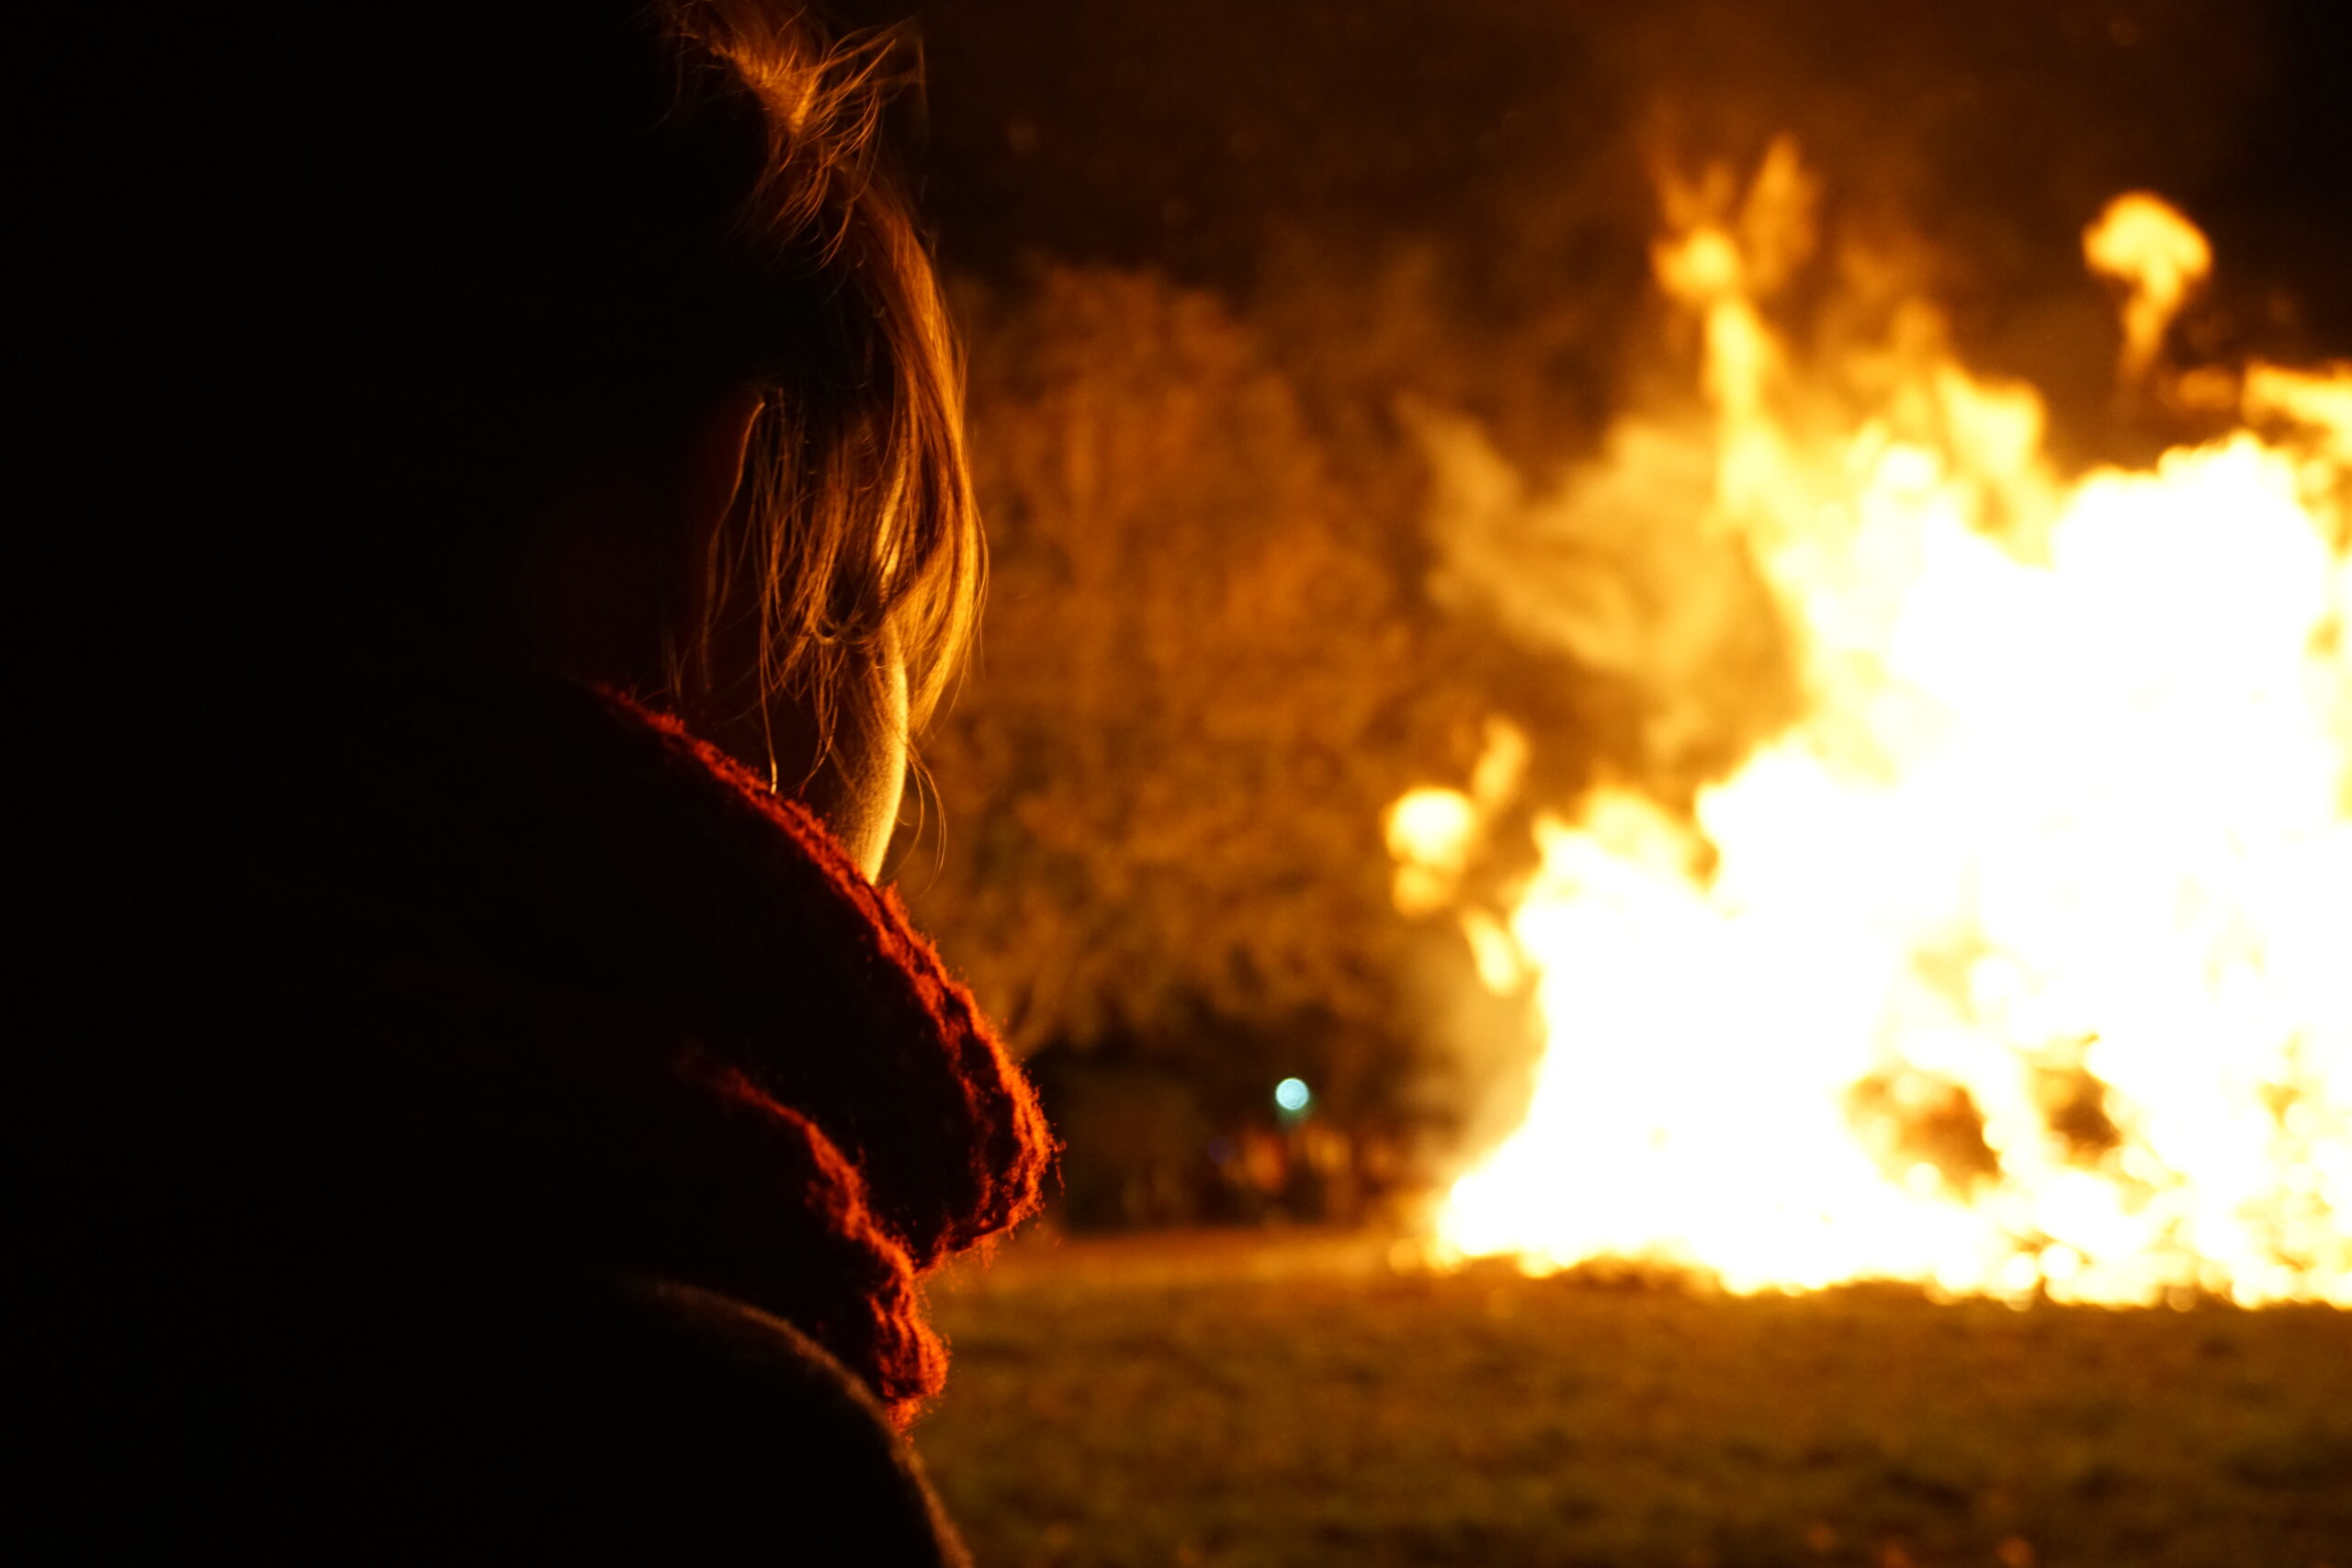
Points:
(1199, 137)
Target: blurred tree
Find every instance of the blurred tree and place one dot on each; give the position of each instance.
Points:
(1162, 789)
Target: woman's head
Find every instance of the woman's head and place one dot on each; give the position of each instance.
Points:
(816, 493)
(494, 321)
(845, 574)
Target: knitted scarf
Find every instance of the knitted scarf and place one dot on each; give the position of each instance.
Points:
(529, 967)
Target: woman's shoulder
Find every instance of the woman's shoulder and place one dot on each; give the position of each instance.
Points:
(472, 1407)
(646, 1409)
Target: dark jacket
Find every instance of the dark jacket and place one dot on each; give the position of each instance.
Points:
(475, 1113)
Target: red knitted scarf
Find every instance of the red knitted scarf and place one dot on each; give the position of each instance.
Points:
(539, 967)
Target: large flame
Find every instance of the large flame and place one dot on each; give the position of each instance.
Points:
(2024, 961)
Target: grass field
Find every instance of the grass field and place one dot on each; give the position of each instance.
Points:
(1253, 1399)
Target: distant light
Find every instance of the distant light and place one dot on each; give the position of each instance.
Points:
(1293, 1095)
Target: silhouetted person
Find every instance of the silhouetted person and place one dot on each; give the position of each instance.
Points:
(510, 515)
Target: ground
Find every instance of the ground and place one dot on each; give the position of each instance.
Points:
(1252, 1400)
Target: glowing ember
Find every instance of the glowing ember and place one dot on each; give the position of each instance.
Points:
(2024, 961)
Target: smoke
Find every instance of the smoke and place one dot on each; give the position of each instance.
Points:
(1614, 567)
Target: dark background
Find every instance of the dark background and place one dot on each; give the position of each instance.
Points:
(1200, 137)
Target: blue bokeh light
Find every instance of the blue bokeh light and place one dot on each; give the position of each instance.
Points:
(1293, 1095)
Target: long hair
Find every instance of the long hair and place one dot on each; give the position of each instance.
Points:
(344, 295)
(860, 528)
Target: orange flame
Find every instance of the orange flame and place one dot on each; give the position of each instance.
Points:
(2159, 257)
(2024, 961)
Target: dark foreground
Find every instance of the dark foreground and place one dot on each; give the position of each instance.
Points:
(1247, 1400)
